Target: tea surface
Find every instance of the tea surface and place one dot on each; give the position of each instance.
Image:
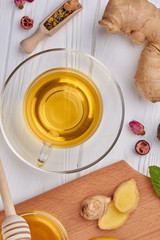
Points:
(63, 107)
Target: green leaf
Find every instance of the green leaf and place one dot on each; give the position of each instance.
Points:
(154, 172)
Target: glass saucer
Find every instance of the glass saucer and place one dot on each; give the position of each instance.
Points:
(69, 159)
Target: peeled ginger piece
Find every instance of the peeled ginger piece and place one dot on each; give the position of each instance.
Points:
(126, 196)
(103, 238)
(113, 218)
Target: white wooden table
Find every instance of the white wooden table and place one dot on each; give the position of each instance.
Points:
(117, 53)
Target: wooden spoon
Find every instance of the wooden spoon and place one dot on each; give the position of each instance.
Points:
(29, 44)
(14, 227)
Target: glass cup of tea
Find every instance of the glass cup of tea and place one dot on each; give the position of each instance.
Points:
(63, 108)
(61, 111)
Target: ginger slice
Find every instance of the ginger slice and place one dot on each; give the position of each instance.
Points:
(126, 196)
(113, 218)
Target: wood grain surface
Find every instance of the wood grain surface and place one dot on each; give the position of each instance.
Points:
(64, 203)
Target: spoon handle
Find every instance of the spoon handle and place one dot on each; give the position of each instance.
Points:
(5, 193)
(29, 44)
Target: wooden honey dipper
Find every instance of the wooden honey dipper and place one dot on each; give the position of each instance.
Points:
(14, 227)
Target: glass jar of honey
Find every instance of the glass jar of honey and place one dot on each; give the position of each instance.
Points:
(44, 226)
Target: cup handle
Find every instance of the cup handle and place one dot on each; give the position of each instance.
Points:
(44, 154)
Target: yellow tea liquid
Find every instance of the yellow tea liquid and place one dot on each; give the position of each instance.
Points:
(62, 107)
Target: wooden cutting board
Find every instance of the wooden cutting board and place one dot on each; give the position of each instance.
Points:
(64, 203)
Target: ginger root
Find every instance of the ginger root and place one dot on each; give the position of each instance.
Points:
(126, 196)
(113, 218)
(111, 214)
(141, 20)
(94, 207)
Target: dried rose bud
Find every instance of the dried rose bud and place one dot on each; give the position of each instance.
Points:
(137, 128)
(30, 0)
(19, 3)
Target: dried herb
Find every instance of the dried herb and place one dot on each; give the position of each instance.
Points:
(137, 128)
(19, 3)
(142, 147)
(61, 14)
(26, 22)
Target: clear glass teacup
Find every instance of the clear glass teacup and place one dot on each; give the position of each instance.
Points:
(108, 107)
